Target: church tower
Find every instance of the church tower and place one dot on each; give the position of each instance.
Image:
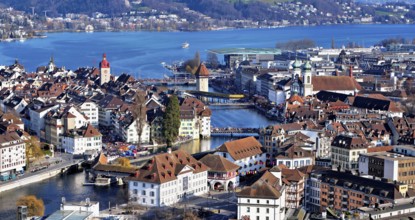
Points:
(51, 66)
(308, 86)
(202, 78)
(104, 70)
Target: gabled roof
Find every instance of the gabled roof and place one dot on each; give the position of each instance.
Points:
(218, 163)
(242, 148)
(335, 83)
(91, 131)
(292, 175)
(165, 167)
(266, 187)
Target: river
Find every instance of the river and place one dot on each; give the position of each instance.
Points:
(140, 54)
(52, 190)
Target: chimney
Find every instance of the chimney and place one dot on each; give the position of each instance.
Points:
(169, 150)
(351, 71)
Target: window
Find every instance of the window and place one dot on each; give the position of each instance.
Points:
(151, 193)
(257, 210)
(144, 185)
(267, 201)
(135, 184)
(267, 210)
(247, 201)
(257, 201)
(248, 209)
(143, 193)
(135, 191)
(144, 200)
(152, 201)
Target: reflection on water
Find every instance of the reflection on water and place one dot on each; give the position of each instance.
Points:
(223, 116)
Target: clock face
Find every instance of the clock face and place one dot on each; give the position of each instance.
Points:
(105, 71)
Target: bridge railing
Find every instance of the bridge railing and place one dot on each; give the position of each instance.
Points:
(234, 130)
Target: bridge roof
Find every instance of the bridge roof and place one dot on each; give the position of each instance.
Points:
(115, 168)
(216, 94)
(244, 51)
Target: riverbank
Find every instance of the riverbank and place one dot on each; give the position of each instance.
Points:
(23, 181)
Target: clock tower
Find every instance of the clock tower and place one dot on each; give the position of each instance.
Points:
(104, 70)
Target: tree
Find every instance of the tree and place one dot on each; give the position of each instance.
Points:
(192, 64)
(34, 205)
(212, 60)
(124, 162)
(171, 120)
(33, 149)
(139, 112)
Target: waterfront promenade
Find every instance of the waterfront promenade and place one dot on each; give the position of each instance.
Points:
(54, 168)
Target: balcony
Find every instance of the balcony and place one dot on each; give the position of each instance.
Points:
(345, 196)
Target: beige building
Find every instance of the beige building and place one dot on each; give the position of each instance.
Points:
(345, 151)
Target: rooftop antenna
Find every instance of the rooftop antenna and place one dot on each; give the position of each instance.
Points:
(33, 10)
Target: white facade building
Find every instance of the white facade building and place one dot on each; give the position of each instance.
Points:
(263, 200)
(168, 178)
(247, 153)
(37, 118)
(90, 109)
(82, 140)
(12, 154)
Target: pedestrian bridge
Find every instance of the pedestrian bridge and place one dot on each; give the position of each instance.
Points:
(235, 132)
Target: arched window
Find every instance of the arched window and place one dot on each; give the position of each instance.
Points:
(308, 79)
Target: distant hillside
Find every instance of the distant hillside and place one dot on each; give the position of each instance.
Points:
(257, 10)
(55, 7)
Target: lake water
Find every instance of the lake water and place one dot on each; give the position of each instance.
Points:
(140, 53)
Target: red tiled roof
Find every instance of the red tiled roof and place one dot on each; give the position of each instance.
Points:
(91, 131)
(218, 163)
(242, 148)
(335, 83)
(165, 167)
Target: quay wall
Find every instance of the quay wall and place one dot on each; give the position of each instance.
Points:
(28, 180)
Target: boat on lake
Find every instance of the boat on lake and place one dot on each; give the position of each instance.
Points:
(185, 45)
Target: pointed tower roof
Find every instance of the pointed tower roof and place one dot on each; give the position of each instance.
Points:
(202, 71)
(104, 63)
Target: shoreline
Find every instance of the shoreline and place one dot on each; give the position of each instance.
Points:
(189, 31)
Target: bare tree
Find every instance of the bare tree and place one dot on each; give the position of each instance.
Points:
(139, 112)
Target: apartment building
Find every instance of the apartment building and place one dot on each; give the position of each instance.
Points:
(345, 151)
(12, 155)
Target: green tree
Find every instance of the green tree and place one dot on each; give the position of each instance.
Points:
(171, 120)
(34, 205)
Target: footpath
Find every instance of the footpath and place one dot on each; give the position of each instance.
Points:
(42, 170)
